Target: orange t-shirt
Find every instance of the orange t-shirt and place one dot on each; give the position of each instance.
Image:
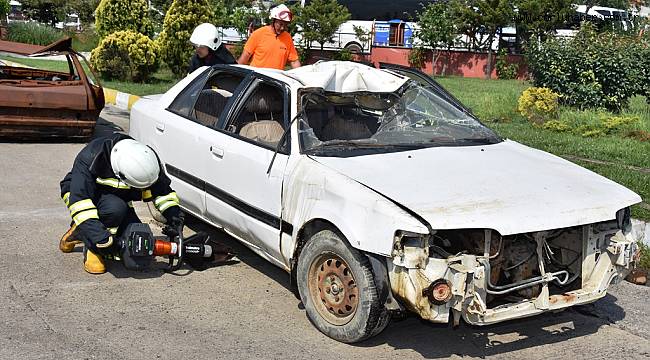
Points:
(269, 50)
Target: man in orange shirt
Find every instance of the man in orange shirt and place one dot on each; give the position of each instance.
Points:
(272, 46)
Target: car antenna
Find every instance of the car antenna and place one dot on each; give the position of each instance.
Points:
(284, 135)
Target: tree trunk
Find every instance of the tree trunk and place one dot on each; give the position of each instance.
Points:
(488, 73)
(434, 61)
(446, 65)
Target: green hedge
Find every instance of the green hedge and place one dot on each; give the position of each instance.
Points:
(593, 70)
(119, 15)
(33, 33)
(126, 55)
(174, 41)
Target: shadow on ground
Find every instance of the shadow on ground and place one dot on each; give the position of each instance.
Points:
(440, 340)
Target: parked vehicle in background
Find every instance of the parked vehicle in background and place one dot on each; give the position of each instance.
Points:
(379, 192)
(39, 104)
(71, 22)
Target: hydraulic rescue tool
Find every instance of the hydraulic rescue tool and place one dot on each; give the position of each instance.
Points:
(138, 247)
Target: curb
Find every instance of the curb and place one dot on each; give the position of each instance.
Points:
(119, 99)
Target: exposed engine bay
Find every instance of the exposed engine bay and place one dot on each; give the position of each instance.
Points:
(484, 277)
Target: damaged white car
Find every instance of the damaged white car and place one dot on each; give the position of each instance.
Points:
(380, 193)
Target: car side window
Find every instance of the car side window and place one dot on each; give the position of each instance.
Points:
(261, 117)
(203, 101)
(214, 96)
(184, 102)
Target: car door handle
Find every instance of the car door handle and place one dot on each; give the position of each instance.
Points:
(160, 126)
(218, 152)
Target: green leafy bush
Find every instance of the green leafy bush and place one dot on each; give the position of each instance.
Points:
(33, 33)
(556, 125)
(343, 55)
(119, 15)
(538, 105)
(592, 70)
(505, 70)
(181, 19)
(417, 57)
(126, 55)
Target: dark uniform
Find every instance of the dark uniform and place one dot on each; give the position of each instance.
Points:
(100, 204)
(219, 56)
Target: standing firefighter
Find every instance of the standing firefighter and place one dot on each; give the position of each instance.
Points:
(209, 48)
(106, 177)
(272, 46)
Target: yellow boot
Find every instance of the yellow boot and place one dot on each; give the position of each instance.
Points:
(93, 263)
(68, 241)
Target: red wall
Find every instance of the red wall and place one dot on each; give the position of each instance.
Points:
(460, 63)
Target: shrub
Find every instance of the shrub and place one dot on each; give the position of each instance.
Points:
(343, 55)
(33, 33)
(506, 71)
(417, 57)
(119, 15)
(556, 125)
(538, 105)
(592, 70)
(181, 19)
(126, 55)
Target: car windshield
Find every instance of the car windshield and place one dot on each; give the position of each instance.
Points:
(335, 124)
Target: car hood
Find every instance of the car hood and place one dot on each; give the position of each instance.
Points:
(507, 187)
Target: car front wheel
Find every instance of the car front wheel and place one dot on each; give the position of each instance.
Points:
(338, 289)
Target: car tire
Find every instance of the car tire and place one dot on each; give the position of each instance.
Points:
(338, 290)
(354, 48)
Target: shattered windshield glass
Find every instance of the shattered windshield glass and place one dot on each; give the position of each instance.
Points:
(413, 117)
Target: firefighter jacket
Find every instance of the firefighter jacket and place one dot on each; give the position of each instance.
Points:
(92, 175)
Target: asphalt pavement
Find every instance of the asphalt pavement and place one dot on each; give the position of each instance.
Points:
(51, 309)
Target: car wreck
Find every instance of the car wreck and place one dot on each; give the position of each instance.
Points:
(40, 104)
(379, 192)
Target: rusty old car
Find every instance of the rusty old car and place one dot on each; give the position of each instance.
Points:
(380, 193)
(40, 104)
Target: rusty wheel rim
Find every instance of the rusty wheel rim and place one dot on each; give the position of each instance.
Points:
(333, 289)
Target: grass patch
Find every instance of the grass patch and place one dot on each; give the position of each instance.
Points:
(495, 103)
(159, 83)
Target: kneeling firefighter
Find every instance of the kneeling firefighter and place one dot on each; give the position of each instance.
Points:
(106, 177)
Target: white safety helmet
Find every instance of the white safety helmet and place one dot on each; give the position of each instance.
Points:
(135, 164)
(206, 35)
(281, 12)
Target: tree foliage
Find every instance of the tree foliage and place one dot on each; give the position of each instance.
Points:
(481, 20)
(181, 19)
(593, 70)
(320, 20)
(118, 15)
(436, 29)
(45, 11)
(126, 55)
(540, 17)
(4, 8)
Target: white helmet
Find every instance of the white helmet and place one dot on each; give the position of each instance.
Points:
(281, 12)
(206, 35)
(135, 163)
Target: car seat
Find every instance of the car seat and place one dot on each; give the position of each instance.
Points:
(209, 106)
(265, 108)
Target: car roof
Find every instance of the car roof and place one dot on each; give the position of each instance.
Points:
(336, 76)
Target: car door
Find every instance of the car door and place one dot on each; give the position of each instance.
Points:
(240, 194)
(184, 132)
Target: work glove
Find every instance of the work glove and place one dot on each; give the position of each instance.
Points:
(174, 223)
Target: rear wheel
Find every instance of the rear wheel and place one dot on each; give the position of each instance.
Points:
(337, 288)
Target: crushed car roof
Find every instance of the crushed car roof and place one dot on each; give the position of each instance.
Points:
(63, 45)
(346, 76)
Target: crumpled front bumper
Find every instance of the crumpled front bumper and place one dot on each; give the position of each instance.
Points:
(414, 271)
